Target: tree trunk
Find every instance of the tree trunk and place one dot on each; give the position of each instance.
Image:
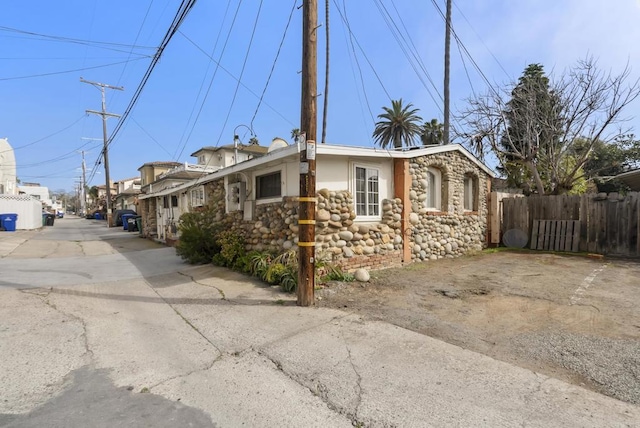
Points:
(536, 176)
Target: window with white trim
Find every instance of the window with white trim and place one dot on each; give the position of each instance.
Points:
(367, 191)
(269, 185)
(197, 197)
(434, 190)
(470, 193)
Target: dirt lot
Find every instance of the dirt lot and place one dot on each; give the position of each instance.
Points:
(570, 317)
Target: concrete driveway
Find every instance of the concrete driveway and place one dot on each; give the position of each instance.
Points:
(101, 328)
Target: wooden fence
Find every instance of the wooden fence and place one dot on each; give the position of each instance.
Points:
(609, 224)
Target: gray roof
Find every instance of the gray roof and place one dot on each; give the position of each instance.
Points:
(631, 179)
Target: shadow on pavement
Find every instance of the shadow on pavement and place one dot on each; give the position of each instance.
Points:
(91, 400)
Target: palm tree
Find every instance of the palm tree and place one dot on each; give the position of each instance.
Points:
(295, 134)
(432, 133)
(399, 126)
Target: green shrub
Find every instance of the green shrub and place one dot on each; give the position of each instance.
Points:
(231, 249)
(259, 262)
(274, 273)
(289, 279)
(198, 231)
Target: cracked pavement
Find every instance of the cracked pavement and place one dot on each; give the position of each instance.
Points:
(118, 330)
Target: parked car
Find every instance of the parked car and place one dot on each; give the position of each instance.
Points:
(60, 214)
(117, 216)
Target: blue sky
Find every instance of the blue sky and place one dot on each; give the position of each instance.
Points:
(44, 117)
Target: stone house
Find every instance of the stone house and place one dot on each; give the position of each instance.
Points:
(375, 207)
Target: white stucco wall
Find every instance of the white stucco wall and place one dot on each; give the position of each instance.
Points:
(40, 191)
(8, 183)
(336, 172)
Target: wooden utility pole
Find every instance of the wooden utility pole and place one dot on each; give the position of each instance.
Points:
(447, 60)
(105, 138)
(83, 184)
(308, 125)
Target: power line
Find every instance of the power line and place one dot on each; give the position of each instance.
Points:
(47, 137)
(135, 40)
(355, 58)
(150, 136)
(70, 71)
(464, 48)
(481, 41)
(408, 49)
(183, 10)
(273, 66)
(72, 40)
(183, 142)
(244, 64)
(251, 91)
(346, 22)
(355, 81)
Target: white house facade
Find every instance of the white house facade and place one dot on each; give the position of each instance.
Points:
(8, 179)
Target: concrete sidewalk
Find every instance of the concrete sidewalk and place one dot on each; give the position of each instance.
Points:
(215, 341)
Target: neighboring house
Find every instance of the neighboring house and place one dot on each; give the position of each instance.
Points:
(167, 206)
(631, 179)
(35, 190)
(8, 180)
(127, 192)
(375, 207)
(225, 156)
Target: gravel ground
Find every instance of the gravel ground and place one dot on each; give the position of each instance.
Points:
(574, 318)
(612, 364)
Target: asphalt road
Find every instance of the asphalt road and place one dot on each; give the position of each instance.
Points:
(101, 328)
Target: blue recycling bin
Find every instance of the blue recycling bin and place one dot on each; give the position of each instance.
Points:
(126, 217)
(8, 222)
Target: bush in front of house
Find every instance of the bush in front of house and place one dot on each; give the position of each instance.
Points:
(204, 240)
(198, 237)
(232, 251)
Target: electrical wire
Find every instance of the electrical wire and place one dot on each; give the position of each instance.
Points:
(135, 41)
(183, 142)
(481, 41)
(92, 43)
(409, 50)
(244, 64)
(346, 22)
(70, 71)
(58, 158)
(273, 66)
(47, 137)
(464, 48)
(251, 91)
(183, 10)
(355, 84)
(150, 136)
(355, 58)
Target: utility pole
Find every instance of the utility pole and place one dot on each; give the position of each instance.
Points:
(105, 151)
(83, 186)
(308, 125)
(447, 60)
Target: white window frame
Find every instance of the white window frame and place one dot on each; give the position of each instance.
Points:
(469, 197)
(434, 185)
(368, 168)
(196, 196)
(268, 171)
